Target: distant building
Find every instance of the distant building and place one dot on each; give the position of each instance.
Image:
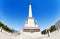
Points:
(57, 25)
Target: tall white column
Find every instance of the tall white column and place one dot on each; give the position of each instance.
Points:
(30, 10)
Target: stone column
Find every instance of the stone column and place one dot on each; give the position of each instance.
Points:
(30, 10)
(58, 29)
(48, 33)
(1, 29)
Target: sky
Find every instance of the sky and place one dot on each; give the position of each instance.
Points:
(13, 13)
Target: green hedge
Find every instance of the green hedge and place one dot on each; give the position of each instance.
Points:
(51, 29)
(6, 28)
